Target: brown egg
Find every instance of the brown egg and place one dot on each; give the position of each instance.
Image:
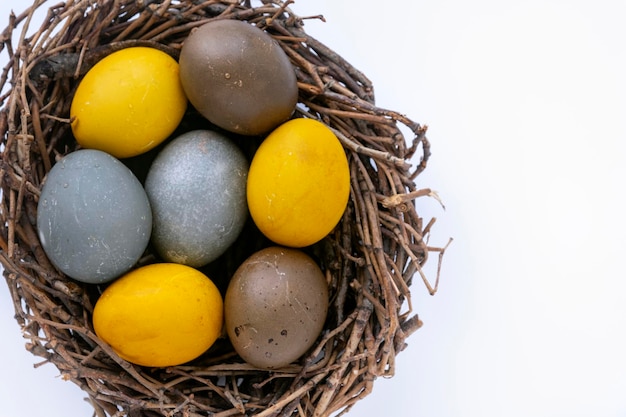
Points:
(238, 77)
(275, 307)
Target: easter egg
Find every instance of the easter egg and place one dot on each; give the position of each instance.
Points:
(299, 183)
(197, 188)
(159, 315)
(275, 307)
(93, 217)
(129, 102)
(238, 77)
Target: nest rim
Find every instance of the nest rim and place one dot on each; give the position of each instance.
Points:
(370, 258)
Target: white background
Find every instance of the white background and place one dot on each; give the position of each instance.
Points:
(525, 103)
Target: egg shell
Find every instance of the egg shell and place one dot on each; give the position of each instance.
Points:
(275, 307)
(129, 102)
(238, 77)
(197, 188)
(162, 314)
(93, 217)
(299, 183)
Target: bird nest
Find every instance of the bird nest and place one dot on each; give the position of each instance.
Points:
(370, 259)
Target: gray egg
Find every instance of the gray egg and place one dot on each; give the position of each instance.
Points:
(197, 189)
(93, 217)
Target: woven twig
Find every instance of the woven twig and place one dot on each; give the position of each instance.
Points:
(370, 259)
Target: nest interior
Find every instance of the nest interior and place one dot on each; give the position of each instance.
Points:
(370, 259)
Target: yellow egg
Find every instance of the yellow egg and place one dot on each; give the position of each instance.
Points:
(298, 183)
(129, 102)
(160, 315)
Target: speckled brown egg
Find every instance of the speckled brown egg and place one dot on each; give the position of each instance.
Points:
(238, 77)
(275, 307)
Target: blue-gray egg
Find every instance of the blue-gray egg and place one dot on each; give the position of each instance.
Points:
(93, 217)
(197, 189)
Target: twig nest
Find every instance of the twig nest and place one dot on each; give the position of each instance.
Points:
(368, 257)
